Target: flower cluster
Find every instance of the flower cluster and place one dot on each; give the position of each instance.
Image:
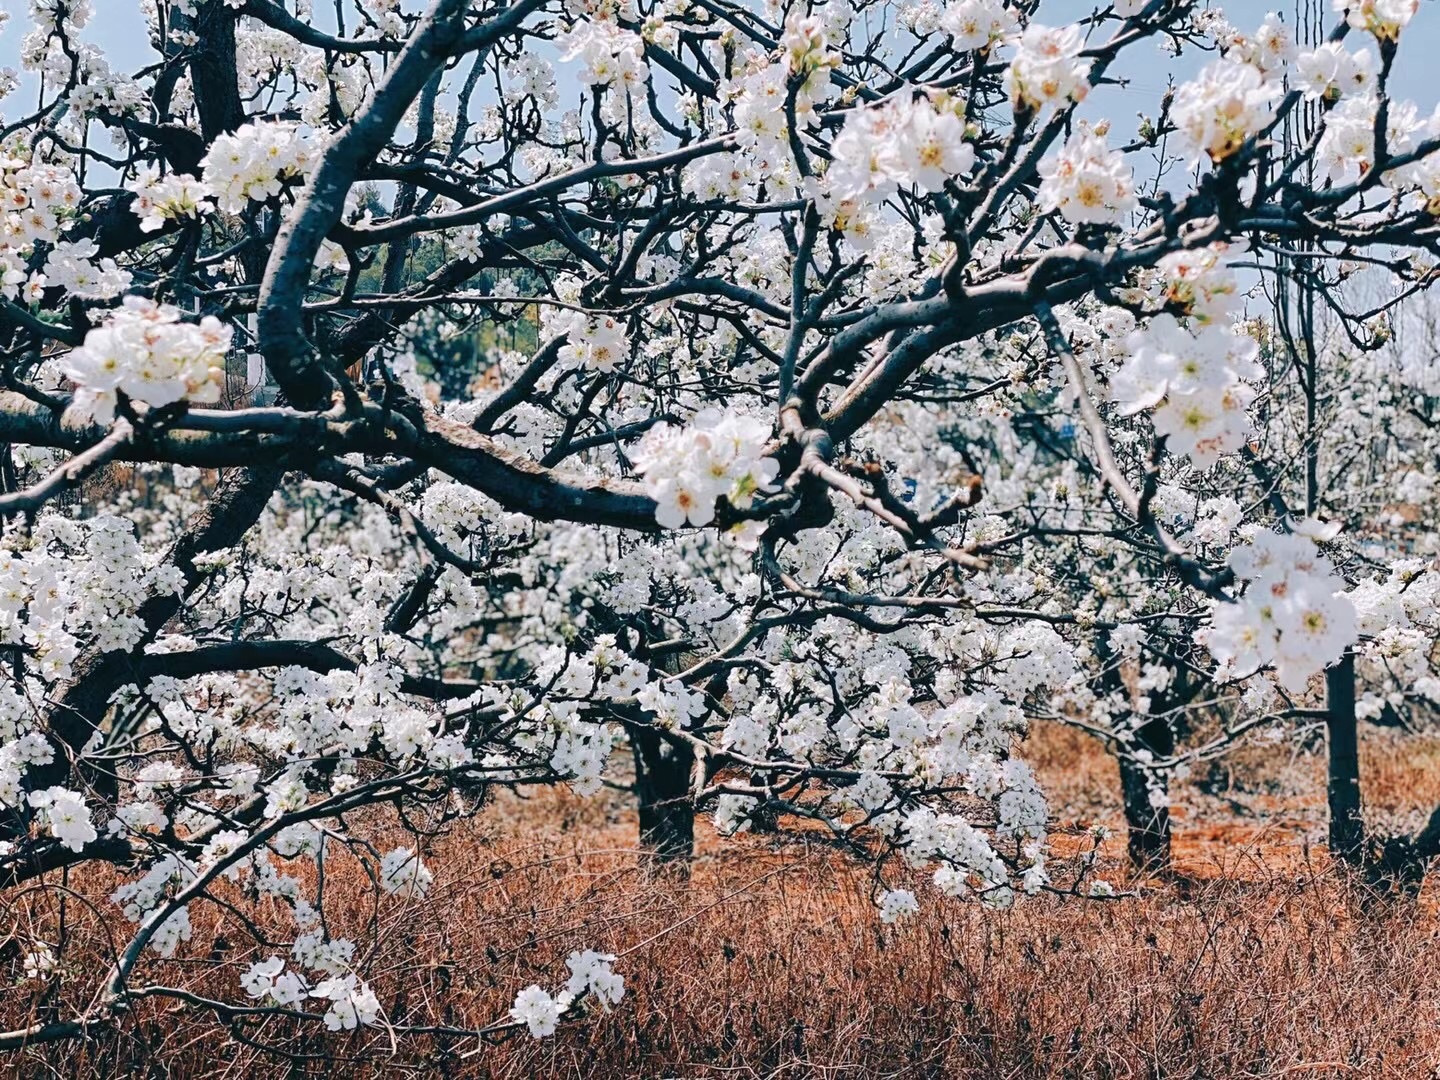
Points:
(36, 203)
(159, 199)
(75, 268)
(1294, 613)
(1399, 618)
(403, 874)
(599, 344)
(762, 127)
(1199, 283)
(533, 76)
(977, 24)
(40, 961)
(1347, 150)
(717, 455)
(590, 973)
(256, 162)
(966, 860)
(386, 13)
(36, 199)
(724, 176)
(897, 904)
(805, 48)
(1383, 18)
(769, 91)
(1330, 72)
(65, 815)
(1047, 69)
(1220, 109)
(146, 352)
(350, 1001)
(537, 1010)
(80, 582)
(106, 91)
(1270, 50)
(1195, 383)
(919, 141)
(268, 981)
(609, 55)
(1087, 181)
(674, 704)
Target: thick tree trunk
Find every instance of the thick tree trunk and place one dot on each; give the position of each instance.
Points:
(667, 815)
(1147, 825)
(212, 72)
(1347, 830)
(764, 818)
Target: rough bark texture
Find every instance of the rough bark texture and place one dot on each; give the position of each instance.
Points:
(667, 814)
(1342, 788)
(212, 72)
(1147, 825)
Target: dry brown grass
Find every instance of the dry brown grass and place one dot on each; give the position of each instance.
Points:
(769, 962)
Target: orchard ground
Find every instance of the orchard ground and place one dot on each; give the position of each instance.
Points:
(1255, 959)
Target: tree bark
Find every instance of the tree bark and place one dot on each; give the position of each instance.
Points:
(667, 814)
(1147, 825)
(1347, 830)
(212, 72)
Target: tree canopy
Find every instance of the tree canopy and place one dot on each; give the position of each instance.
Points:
(406, 401)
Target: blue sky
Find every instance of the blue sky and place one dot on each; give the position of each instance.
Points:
(119, 28)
